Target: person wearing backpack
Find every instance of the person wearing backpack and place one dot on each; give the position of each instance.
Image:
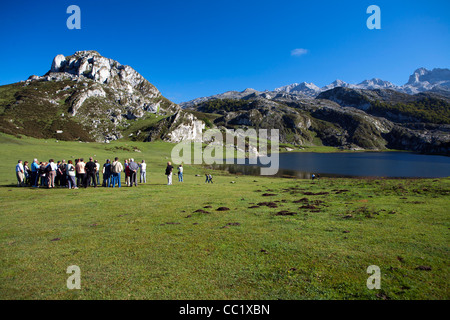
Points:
(169, 170)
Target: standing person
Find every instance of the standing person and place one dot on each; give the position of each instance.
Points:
(81, 172)
(70, 171)
(116, 168)
(27, 173)
(127, 172)
(35, 173)
(143, 177)
(133, 168)
(20, 175)
(76, 171)
(62, 169)
(42, 174)
(180, 173)
(51, 173)
(58, 174)
(97, 172)
(107, 173)
(169, 170)
(91, 169)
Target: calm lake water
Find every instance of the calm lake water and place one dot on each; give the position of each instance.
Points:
(358, 164)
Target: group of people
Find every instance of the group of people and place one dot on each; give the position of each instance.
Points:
(169, 173)
(208, 178)
(77, 173)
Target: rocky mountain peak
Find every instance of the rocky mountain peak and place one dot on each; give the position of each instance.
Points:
(305, 88)
(435, 76)
(101, 92)
(249, 90)
(91, 65)
(376, 83)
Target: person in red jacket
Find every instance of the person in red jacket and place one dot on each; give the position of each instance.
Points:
(127, 174)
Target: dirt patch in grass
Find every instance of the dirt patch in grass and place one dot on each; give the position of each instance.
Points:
(268, 204)
(285, 213)
(201, 211)
(308, 193)
(231, 224)
(302, 200)
(424, 268)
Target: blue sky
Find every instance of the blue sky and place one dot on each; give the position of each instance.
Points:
(189, 49)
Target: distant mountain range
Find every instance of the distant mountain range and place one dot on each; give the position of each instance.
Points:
(421, 80)
(88, 97)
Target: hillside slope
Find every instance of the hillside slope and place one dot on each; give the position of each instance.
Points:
(86, 96)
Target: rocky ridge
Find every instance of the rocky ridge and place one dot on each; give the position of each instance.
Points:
(99, 93)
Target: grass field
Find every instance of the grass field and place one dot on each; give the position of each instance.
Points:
(280, 238)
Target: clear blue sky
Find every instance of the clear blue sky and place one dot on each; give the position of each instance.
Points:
(189, 49)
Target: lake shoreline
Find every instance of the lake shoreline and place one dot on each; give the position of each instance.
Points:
(373, 164)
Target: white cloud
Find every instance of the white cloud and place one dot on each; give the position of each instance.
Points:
(298, 52)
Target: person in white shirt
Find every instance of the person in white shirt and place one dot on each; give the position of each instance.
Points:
(97, 173)
(116, 168)
(180, 173)
(70, 171)
(51, 168)
(143, 177)
(20, 174)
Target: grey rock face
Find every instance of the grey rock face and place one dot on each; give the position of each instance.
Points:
(57, 63)
(105, 94)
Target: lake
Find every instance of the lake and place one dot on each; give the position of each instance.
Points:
(352, 164)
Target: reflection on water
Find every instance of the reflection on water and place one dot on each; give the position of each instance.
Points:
(359, 164)
(254, 170)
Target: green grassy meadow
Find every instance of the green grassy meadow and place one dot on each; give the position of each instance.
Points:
(280, 239)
